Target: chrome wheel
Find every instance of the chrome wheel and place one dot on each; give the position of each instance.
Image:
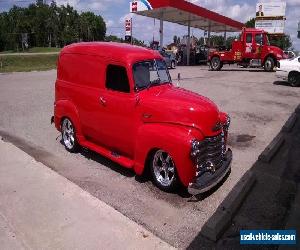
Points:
(163, 169)
(68, 134)
(216, 63)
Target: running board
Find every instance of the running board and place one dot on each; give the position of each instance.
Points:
(124, 161)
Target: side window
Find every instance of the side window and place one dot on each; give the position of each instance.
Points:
(259, 39)
(117, 79)
(249, 38)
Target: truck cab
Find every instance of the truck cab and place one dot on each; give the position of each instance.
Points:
(252, 50)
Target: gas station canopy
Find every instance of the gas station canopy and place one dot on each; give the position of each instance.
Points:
(185, 13)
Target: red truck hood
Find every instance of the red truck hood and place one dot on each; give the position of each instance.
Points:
(169, 104)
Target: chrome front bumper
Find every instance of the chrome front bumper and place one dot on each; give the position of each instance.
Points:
(208, 180)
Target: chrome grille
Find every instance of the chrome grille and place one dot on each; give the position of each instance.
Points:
(209, 155)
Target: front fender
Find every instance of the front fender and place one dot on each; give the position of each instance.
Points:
(271, 55)
(65, 108)
(174, 139)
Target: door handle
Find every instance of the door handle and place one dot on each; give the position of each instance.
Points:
(103, 101)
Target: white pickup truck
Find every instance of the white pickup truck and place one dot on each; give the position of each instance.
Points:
(289, 69)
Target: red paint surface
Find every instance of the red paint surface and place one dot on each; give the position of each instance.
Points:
(132, 124)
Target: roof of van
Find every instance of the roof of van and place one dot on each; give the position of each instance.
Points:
(116, 51)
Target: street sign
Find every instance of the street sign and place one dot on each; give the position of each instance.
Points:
(128, 26)
(140, 5)
(128, 29)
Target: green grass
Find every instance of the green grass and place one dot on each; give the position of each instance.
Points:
(20, 63)
(43, 50)
(34, 50)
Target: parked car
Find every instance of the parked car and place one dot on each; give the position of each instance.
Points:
(202, 54)
(289, 69)
(118, 100)
(169, 58)
(290, 54)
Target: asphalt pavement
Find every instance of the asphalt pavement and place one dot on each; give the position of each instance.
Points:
(258, 104)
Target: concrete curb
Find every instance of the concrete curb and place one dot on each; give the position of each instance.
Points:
(290, 123)
(271, 149)
(221, 219)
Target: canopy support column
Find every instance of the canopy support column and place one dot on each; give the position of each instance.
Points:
(188, 46)
(208, 37)
(161, 31)
(225, 37)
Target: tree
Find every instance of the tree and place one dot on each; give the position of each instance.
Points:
(284, 42)
(176, 40)
(112, 38)
(48, 25)
(92, 27)
(250, 23)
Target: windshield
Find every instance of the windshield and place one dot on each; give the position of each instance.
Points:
(149, 73)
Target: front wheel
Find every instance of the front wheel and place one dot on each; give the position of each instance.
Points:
(69, 136)
(163, 171)
(269, 64)
(294, 79)
(216, 63)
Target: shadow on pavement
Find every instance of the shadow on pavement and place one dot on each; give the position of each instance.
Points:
(282, 83)
(243, 69)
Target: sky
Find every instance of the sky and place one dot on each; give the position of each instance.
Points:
(115, 11)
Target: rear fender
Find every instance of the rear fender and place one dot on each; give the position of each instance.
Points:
(65, 108)
(174, 139)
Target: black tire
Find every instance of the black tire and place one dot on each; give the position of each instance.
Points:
(163, 171)
(68, 135)
(173, 65)
(294, 79)
(216, 63)
(269, 64)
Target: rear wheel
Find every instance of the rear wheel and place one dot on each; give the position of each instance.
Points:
(163, 171)
(294, 79)
(216, 63)
(69, 136)
(269, 64)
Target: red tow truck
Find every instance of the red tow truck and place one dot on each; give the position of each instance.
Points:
(252, 50)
